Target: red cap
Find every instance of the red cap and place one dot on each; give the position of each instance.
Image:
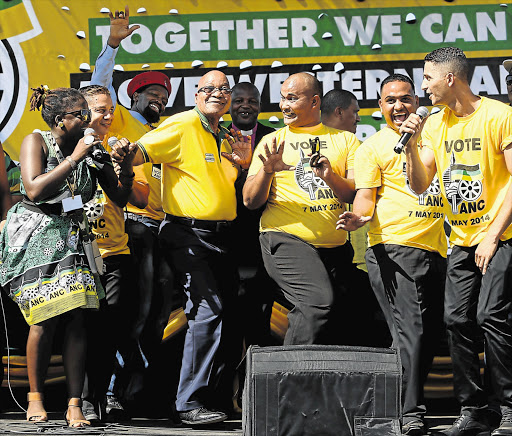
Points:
(148, 78)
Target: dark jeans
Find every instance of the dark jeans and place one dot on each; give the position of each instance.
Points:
(477, 303)
(212, 343)
(409, 283)
(308, 277)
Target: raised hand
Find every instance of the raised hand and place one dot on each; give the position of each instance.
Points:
(321, 166)
(123, 150)
(273, 159)
(241, 149)
(131, 149)
(119, 27)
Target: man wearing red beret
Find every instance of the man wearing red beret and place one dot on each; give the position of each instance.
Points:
(149, 93)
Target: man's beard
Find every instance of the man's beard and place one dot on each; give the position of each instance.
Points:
(150, 115)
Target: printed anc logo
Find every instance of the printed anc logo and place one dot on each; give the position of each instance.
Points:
(306, 178)
(432, 195)
(95, 208)
(463, 187)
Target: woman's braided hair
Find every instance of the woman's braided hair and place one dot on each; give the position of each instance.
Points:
(54, 102)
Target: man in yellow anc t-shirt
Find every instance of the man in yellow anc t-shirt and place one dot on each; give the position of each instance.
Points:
(200, 164)
(406, 259)
(148, 93)
(300, 245)
(469, 145)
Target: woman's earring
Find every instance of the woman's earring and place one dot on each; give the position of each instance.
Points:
(60, 124)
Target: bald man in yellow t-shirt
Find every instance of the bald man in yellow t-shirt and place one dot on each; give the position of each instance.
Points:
(406, 258)
(468, 145)
(302, 251)
(200, 164)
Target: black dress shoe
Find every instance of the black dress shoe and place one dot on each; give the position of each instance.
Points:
(469, 423)
(505, 428)
(202, 415)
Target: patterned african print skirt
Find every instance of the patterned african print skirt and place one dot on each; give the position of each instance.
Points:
(43, 267)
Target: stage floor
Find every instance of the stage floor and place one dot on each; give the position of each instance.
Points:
(13, 423)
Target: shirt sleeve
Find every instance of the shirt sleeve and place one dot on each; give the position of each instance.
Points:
(256, 162)
(104, 69)
(162, 144)
(367, 172)
(506, 131)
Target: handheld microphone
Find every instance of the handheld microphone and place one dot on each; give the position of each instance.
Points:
(422, 111)
(112, 141)
(89, 139)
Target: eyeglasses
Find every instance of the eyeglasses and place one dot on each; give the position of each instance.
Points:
(83, 114)
(508, 80)
(211, 89)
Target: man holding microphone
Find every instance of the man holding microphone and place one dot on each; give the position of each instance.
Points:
(468, 145)
(407, 246)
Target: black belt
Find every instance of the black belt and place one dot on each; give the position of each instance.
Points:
(47, 208)
(213, 226)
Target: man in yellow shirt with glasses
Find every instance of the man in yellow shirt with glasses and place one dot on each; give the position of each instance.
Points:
(200, 164)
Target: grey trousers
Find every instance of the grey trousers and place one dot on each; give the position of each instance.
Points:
(308, 278)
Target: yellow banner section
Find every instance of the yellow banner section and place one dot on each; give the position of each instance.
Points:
(14, 19)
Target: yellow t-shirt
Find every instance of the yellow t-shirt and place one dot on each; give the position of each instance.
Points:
(401, 217)
(125, 126)
(196, 181)
(470, 162)
(150, 173)
(300, 203)
(106, 220)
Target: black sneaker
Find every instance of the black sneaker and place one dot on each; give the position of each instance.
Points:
(505, 428)
(471, 422)
(114, 410)
(414, 428)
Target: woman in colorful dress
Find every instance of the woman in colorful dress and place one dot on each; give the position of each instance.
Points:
(47, 263)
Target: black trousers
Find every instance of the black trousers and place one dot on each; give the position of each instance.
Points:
(154, 279)
(409, 283)
(308, 278)
(476, 304)
(108, 329)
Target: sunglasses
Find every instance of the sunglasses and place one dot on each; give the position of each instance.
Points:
(82, 114)
(508, 80)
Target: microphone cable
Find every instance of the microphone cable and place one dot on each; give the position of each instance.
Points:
(8, 356)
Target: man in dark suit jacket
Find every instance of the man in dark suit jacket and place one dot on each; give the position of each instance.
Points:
(244, 110)
(255, 300)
